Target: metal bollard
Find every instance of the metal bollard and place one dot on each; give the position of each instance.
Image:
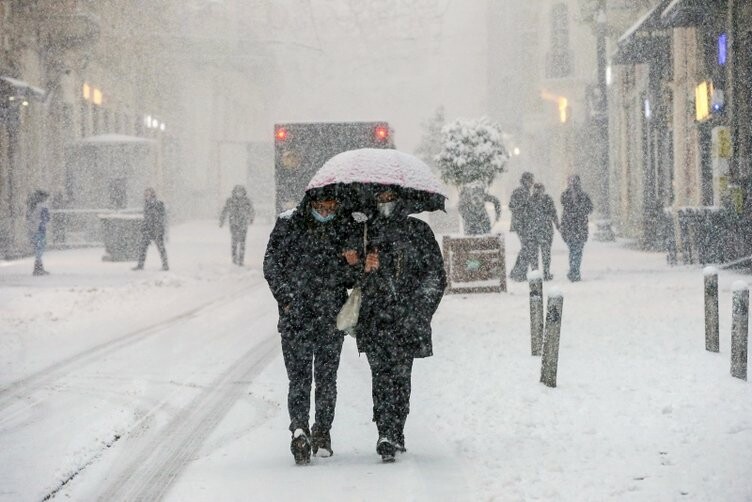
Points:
(535, 279)
(711, 309)
(550, 359)
(739, 330)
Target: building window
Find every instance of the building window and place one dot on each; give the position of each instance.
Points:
(559, 60)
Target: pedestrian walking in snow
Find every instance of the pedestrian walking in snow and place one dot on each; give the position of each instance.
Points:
(543, 219)
(519, 204)
(472, 208)
(576, 207)
(403, 282)
(37, 217)
(152, 228)
(308, 275)
(239, 211)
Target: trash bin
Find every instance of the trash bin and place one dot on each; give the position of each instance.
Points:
(704, 234)
(122, 235)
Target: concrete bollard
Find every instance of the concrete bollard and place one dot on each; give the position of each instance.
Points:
(550, 359)
(535, 279)
(711, 309)
(739, 330)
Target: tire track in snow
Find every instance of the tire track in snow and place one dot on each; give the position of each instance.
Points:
(20, 389)
(151, 473)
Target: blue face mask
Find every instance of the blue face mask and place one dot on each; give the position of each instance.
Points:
(321, 219)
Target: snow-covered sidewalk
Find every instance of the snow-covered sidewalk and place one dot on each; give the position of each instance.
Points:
(641, 411)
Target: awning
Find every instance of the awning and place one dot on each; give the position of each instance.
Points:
(684, 13)
(23, 89)
(638, 44)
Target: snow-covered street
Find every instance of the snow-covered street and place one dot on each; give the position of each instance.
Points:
(123, 385)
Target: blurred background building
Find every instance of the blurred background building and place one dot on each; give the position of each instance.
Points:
(649, 101)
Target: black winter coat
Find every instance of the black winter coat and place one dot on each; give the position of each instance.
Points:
(306, 271)
(543, 218)
(401, 296)
(576, 206)
(519, 205)
(153, 225)
(240, 212)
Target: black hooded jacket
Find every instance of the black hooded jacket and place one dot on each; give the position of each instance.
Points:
(306, 271)
(576, 207)
(153, 225)
(401, 296)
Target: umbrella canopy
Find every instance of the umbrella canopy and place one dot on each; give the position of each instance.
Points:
(359, 171)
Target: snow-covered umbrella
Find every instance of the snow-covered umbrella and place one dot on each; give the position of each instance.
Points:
(358, 172)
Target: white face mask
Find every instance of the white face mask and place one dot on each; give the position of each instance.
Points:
(386, 208)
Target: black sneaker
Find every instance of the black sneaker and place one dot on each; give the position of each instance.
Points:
(321, 442)
(385, 447)
(300, 446)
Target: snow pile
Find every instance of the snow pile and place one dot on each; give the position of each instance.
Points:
(641, 411)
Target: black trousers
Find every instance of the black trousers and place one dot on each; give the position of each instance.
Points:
(525, 257)
(312, 356)
(238, 244)
(145, 241)
(391, 374)
(542, 245)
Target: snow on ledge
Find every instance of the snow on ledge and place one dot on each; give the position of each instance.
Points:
(555, 292)
(533, 275)
(709, 271)
(740, 286)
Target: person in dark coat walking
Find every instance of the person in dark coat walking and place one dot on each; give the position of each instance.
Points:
(519, 204)
(37, 217)
(152, 228)
(239, 210)
(309, 276)
(543, 219)
(472, 208)
(576, 207)
(402, 284)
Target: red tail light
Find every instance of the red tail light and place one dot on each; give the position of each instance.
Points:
(280, 134)
(381, 133)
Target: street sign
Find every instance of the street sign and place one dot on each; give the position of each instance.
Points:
(475, 264)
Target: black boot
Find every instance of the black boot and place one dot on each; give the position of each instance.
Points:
(300, 446)
(321, 442)
(39, 268)
(385, 447)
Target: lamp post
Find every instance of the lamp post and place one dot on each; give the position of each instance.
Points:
(603, 230)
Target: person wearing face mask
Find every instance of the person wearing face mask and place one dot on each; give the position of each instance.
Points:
(402, 284)
(309, 276)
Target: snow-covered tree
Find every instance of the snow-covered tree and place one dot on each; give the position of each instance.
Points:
(472, 150)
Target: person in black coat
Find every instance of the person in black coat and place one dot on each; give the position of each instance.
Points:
(576, 207)
(402, 284)
(239, 209)
(152, 228)
(519, 206)
(543, 219)
(309, 277)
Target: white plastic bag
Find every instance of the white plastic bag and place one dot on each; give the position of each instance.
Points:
(347, 318)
